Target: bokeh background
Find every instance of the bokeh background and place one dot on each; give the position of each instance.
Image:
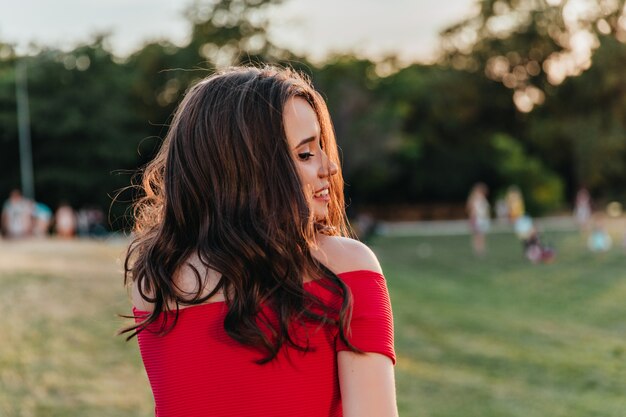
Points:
(427, 99)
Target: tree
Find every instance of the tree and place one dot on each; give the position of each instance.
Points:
(79, 124)
(561, 61)
(532, 45)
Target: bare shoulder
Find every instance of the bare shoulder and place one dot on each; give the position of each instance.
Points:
(342, 254)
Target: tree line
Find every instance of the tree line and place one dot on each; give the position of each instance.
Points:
(505, 104)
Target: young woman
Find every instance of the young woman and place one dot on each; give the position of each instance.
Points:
(248, 298)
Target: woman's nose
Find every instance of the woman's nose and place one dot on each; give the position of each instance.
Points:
(328, 168)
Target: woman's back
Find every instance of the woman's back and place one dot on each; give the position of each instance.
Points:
(196, 369)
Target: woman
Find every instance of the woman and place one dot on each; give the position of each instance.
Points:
(248, 299)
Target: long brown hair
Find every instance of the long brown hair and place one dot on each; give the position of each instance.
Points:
(224, 187)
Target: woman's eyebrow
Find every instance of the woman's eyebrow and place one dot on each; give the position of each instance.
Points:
(305, 141)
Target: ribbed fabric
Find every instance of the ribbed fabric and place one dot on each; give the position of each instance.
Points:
(197, 370)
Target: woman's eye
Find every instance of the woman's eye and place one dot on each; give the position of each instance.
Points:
(305, 156)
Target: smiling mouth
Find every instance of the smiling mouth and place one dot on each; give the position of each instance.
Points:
(321, 194)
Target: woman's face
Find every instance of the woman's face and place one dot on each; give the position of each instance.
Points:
(314, 168)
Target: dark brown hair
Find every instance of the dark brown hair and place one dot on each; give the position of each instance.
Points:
(224, 187)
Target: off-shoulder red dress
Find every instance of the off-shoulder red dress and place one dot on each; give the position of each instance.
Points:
(197, 370)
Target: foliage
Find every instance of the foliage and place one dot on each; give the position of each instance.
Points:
(560, 59)
(543, 188)
(502, 106)
(79, 125)
(580, 129)
(529, 45)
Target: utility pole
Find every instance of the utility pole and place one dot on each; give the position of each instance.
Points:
(23, 122)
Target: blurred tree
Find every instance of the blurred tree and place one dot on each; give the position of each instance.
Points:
(450, 116)
(581, 128)
(222, 33)
(9, 145)
(543, 51)
(225, 32)
(420, 134)
(79, 124)
(531, 45)
(542, 188)
(423, 133)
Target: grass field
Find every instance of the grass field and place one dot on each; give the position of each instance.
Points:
(491, 337)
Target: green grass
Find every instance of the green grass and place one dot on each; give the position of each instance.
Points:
(474, 337)
(501, 337)
(59, 356)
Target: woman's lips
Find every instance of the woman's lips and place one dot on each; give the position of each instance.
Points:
(322, 195)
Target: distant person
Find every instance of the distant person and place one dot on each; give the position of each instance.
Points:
(479, 215)
(17, 216)
(536, 251)
(582, 209)
(83, 223)
(97, 225)
(515, 203)
(249, 299)
(65, 221)
(599, 240)
(533, 248)
(502, 210)
(42, 219)
(90, 222)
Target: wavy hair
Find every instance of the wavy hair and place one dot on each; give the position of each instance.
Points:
(224, 187)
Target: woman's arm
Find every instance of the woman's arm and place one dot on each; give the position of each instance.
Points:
(367, 385)
(366, 380)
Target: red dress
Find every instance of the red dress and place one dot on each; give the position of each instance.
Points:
(197, 370)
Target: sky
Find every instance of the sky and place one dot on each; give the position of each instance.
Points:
(371, 28)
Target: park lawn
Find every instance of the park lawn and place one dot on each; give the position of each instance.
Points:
(59, 356)
(501, 337)
(474, 337)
